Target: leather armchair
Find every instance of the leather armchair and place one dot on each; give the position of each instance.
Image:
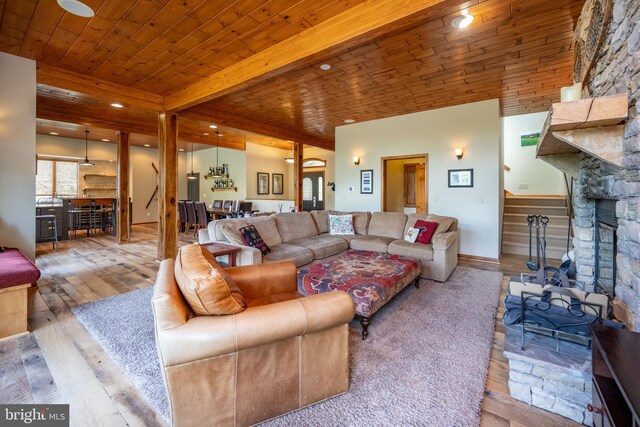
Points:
(282, 353)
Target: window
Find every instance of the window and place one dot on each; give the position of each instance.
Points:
(56, 178)
(307, 189)
(320, 189)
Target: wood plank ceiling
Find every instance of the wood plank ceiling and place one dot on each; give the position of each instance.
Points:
(518, 51)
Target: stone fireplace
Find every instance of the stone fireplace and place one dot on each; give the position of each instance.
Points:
(616, 71)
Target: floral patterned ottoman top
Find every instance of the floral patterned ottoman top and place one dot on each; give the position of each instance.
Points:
(370, 278)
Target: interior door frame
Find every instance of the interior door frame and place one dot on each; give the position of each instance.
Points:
(383, 167)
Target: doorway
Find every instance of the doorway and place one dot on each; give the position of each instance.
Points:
(404, 184)
(193, 188)
(312, 191)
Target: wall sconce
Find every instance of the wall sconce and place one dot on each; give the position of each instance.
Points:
(356, 160)
(459, 153)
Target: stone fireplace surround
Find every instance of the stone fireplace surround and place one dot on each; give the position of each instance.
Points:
(617, 71)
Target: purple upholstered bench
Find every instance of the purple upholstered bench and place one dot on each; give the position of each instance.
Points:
(370, 278)
(18, 277)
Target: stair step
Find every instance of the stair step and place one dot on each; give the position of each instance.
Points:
(521, 249)
(535, 210)
(521, 218)
(535, 201)
(553, 241)
(523, 227)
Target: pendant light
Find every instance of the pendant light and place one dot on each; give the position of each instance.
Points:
(216, 174)
(86, 161)
(290, 158)
(192, 175)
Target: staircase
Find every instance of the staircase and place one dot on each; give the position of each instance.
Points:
(515, 229)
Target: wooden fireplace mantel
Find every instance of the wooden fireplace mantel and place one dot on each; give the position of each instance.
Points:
(590, 125)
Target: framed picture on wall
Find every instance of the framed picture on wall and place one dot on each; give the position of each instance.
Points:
(263, 183)
(366, 181)
(277, 183)
(460, 178)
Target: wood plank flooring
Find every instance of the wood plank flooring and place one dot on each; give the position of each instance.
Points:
(60, 362)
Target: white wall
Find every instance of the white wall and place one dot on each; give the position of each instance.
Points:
(142, 181)
(269, 160)
(525, 170)
(17, 163)
(474, 127)
(203, 159)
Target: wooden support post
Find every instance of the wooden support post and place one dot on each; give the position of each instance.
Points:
(124, 168)
(297, 174)
(167, 199)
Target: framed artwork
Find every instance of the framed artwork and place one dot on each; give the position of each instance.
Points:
(277, 183)
(263, 183)
(460, 178)
(529, 138)
(366, 181)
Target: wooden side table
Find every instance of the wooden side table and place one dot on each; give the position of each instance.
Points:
(221, 249)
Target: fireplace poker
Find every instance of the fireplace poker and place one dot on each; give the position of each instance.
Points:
(530, 264)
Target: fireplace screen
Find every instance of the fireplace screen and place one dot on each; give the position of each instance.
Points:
(606, 224)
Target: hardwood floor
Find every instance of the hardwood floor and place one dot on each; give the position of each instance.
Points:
(60, 362)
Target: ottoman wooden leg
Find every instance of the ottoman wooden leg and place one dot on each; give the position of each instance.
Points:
(416, 282)
(365, 321)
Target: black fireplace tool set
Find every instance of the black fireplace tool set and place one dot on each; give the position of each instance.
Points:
(543, 273)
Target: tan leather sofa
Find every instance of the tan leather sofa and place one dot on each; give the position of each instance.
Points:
(281, 353)
(303, 237)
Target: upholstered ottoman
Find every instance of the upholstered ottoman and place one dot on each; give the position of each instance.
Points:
(18, 275)
(370, 278)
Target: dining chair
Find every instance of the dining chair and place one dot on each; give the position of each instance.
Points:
(217, 205)
(201, 216)
(182, 216)
(192, 219)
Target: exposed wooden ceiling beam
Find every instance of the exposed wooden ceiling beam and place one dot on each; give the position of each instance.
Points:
(49, 112)
(101, 89)
(239, 122)
(348, 27)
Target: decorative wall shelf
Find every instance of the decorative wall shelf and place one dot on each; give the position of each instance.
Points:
(214, 189)
(225, 176)
(590, 125)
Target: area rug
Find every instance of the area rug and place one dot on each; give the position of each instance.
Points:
(425, 362)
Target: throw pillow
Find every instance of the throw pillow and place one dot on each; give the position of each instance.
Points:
(341, 225)
(412, 234)
(252, 238)
(427, 228)
(207, 289)
(444, 222)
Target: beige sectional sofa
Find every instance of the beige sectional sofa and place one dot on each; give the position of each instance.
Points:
(303, 237)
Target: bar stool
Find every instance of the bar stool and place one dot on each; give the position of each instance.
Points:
(52, 220)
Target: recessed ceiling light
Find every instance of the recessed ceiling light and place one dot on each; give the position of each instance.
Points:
(206, 134)
(348, 121)
(76, 7)
(116, 105)
(180, 149)
(213, 126)
(325, 67)
(220, 134)
(147, 145)
(54, 133)
(105, 140)
(462, 21)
